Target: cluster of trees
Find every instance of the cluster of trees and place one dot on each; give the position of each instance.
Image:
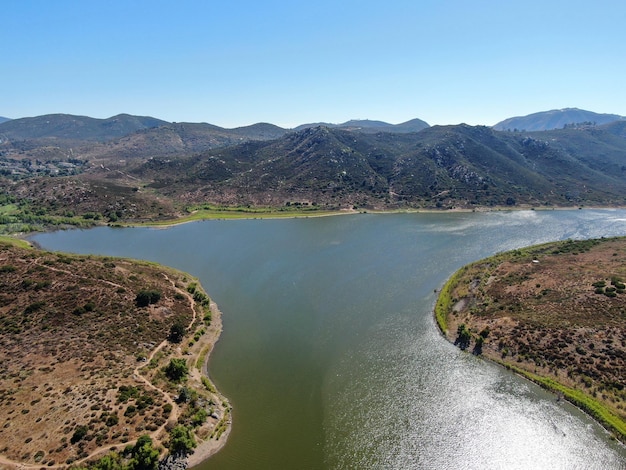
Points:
(141, 456)
(464, 338)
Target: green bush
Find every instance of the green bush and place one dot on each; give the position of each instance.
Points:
(176, 370)
(177, 332)
(181, 440)
(79, 434)
(147, 297)
(463, 336)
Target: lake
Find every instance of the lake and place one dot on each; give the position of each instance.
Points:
(330, 354)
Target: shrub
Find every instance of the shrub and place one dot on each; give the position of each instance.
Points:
(79, 434)
(199, 418)
(177, 332)
(147, 297)
(181, 440)
(463, 336)
(176, 370)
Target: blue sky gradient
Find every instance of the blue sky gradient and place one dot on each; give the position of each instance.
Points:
(288, 62)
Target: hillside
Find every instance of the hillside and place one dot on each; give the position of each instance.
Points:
(442, 166)
(179, 139)
(75, 128)
(66, 137)
(99, 335)
(554, 312)
(161, 173)
(4, 119)
(555, 119)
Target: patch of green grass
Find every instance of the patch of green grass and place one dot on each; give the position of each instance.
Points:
(5, 239)
(8, 209)
(208, 212)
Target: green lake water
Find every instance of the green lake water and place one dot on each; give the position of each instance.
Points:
(330, 355)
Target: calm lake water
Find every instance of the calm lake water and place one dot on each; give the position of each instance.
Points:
(330, 354)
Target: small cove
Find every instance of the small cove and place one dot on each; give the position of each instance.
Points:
(330, 355)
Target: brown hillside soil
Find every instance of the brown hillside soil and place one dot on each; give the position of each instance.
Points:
(81, 364)
(538, 310)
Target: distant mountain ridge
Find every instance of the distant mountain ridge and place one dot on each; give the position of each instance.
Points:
(555, 119)
(4, 119)
(370, 126)
(71, 127)
(56, 136)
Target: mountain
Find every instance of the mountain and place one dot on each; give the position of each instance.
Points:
(441, 166)
(4, 119)
(58, 136)
(180, 139)
(75, 128)
(369, 126)
(555, 119)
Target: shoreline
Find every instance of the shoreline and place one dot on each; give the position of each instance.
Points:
(233, 215)
(209, 446)
(341, 212)
(445, 310)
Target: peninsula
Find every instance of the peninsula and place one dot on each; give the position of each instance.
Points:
(555, 313)
(104, 360)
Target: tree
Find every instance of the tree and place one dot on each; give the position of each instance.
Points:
(147, 297)
(181, 440)
(176, 370)
(144, 456)
(79, 433)
(177, 332)
(463, 336)
(478, 346)
(110, 461)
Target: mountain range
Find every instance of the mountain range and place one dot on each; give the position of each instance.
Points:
(556, 119)
(369, 164)
(441, 166)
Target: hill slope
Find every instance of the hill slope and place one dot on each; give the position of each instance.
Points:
(555, 119)
(157, 173)
(442, 166)
(92, 375)
(75, 128)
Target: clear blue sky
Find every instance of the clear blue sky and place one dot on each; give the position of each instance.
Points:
(289, 62)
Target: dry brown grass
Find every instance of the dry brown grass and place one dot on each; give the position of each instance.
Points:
(71, 339)
(544, 316)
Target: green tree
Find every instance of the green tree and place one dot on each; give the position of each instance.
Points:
(177, 332)
(176, 370)
(110, 461)
(147, 297)
(463, 336)
(181, 440)
(79, 433)
(144, 455)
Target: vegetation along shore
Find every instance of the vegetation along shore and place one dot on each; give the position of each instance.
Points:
(103, 363)
(554, 313)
